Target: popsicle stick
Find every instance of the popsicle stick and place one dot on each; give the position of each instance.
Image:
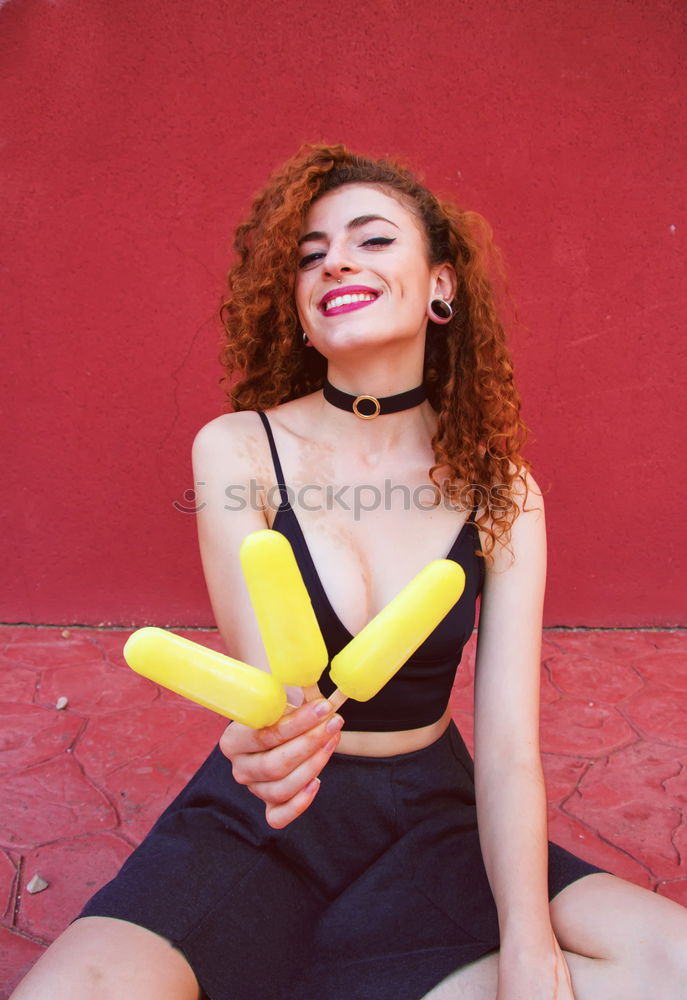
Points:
(337, 698)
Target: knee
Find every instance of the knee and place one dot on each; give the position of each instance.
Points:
(100, 958)
(59, 974)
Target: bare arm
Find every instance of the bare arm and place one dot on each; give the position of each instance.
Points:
(224, 459)
(279, 764)
(511, 796)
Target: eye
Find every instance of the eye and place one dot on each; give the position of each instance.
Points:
(374, 241)
(378, 241)
(310, 259)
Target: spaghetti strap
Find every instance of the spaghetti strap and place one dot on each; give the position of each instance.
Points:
(474, 510)
(283, 492)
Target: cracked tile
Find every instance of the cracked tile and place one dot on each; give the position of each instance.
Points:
(51, 801)
(17, 955)
(587, 844)
(616, 799)
(94, 688)
(8, 878)
(562, 775)
(593, 679)
(30, 734)
(583, 728)
(74, 868)
(143, 787)
(547, 691)
(626, 799)
(665, 669)
(659, 714)
(548, 645)
(46, 649)
(113, 740)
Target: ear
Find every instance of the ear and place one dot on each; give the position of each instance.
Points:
(444, 283)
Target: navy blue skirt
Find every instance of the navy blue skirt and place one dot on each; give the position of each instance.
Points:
(377, 892)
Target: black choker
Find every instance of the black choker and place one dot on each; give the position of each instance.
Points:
(369, 407)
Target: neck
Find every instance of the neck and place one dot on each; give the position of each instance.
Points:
(371, 439)
(378, 380)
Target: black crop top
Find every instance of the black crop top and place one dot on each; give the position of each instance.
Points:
(418, 694)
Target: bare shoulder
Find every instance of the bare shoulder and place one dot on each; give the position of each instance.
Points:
(524, 490)
(228, 466)
(232, 450)
(527, 537)
(228, 431)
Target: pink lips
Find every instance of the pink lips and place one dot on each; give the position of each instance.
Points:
(349, 306)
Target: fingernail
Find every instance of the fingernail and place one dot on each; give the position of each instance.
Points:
(322, 708)
(313, 785)
(334, 725)
(328, 747)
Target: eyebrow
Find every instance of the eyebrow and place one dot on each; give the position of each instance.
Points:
(356, 223)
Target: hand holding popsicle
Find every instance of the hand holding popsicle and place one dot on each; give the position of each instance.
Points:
(279, 757)
(360, 670)
(281, 764)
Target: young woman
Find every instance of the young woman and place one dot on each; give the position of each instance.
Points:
(358, 854)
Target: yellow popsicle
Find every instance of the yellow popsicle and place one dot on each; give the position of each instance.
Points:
(293, 642)
(221, 683)
(373, 656)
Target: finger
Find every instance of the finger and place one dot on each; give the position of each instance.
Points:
(237, 739)
(276, 764)
(280, 792)
(280, 816)
(293, 724)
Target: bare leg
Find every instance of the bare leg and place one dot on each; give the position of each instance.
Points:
(620, 942)
(98, 958)
(637, 938)
(479, 980)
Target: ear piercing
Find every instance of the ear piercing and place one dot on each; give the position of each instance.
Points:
(440, 310)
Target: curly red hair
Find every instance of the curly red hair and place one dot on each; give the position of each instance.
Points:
(468, 372)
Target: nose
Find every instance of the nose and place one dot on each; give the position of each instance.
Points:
(337, 262)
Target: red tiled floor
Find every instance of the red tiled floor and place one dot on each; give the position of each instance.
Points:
(70, 880)
(79, 787)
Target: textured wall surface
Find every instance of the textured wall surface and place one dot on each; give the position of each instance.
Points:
(134, 137)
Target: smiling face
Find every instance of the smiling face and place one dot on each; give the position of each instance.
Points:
(363, 273)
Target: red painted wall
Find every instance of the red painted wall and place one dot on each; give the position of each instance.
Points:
(135, 135)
